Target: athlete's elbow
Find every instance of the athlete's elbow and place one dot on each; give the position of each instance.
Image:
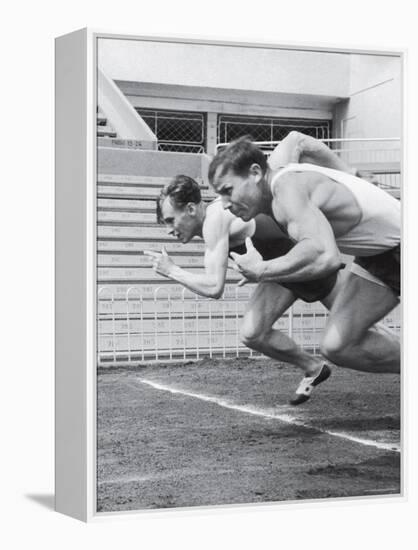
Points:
(215, 292)
(294, 135)
(330, 261)
(299, 140)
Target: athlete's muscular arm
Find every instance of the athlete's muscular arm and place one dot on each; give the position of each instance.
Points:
(216, 236)
(315, 253)
(297, 147)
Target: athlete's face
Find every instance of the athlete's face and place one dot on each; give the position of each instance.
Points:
(181, 222)
(240, 194)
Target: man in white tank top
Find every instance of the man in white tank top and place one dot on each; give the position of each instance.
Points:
(181, 209)
(325, 212)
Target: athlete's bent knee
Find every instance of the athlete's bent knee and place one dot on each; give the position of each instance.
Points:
(334, 348)
(251, 337)
(333, 354)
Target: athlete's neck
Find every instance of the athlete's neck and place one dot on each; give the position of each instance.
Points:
(267, 196)
(201, 215)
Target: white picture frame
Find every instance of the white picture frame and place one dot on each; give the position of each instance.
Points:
(76, 262)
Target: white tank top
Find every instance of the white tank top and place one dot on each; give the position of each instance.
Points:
(379, 228)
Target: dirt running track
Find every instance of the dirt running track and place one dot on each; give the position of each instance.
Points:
(221, 432)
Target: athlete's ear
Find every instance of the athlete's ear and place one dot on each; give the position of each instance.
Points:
(256, 172)
(191, 208)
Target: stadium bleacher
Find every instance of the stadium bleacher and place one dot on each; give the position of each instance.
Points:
(142, 315)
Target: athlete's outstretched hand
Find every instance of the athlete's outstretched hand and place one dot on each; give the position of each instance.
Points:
(249, 264)
(162, 263)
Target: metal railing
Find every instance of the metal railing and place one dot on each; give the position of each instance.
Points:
(376, 159)
(167, 325)
(373, 144)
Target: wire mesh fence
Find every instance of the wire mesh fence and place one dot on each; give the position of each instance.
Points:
(267, 129)
(177, 131)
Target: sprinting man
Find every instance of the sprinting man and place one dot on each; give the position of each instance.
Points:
(181, 208)
(323, 211)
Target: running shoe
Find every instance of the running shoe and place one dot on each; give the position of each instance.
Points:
(306, 387)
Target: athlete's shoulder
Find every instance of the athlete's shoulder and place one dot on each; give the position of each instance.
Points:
(214, 205)
(217, 220)
(288, 178)
(216, 213)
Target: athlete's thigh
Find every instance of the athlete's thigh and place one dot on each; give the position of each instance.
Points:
(359, 304)
(329, 300)
(268, 302)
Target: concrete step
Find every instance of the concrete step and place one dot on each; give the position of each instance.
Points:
(136, 192)
(139, 274)
(124, 180)
(126, 205)
(103, 131)
(119, 143)
(133, 260)
(157, 232)
(126, 218)
(129, 161)
(172, 246)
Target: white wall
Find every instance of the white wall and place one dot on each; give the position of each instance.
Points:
(221, 100)
(229, 67)
(374, 107)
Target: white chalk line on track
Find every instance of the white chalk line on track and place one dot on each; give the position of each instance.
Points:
(285, 418)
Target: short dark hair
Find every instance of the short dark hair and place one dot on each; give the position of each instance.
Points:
(238, 156)
(181, 190)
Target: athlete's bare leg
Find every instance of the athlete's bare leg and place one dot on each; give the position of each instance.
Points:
(329, 300)
(350, 339)
(268, 303)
